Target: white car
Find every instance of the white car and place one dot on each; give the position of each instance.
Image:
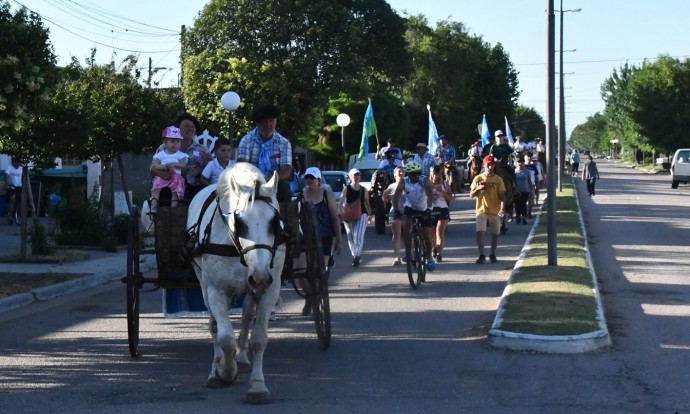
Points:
(680, 167)
(337, 180)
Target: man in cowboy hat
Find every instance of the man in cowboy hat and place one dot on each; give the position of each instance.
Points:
(269, 151)
(424, 158)
(390, 146)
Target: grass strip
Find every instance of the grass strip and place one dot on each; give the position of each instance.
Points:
(553, 300)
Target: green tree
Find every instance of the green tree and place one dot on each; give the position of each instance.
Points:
(661, 104)
(27, 75)
(527, 122)
(592, 135)
(460, 76)
(114, 113)
(297, 55)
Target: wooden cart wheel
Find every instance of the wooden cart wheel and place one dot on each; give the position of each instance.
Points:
(317, 275)
(134, 281)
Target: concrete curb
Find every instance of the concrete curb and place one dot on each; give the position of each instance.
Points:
(65, 288)
(556, 344)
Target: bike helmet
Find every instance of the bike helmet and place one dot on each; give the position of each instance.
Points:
(411, 167)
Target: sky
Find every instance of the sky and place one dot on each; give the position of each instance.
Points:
(601, 37)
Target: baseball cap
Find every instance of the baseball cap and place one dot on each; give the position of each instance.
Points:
(488, 159)
(313, 171)
(353, 171)
(498, 133)
(423, 145)
(171, 132)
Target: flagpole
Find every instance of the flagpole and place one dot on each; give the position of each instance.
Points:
(378, 145)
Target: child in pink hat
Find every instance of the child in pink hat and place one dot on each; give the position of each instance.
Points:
(172, 160)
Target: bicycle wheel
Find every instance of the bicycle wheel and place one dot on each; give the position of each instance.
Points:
(413, 261)
(421, 258)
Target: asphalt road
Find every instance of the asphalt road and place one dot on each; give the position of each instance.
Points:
(394, 350)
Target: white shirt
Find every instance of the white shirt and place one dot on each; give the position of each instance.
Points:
(439, 201)
(415, 197)
(166, 158)
(213, 169)
(14, 175)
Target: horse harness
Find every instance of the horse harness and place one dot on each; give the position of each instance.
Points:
(194, 247)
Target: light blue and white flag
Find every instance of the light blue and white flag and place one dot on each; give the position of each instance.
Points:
(485, 134)
(509, 134)
(433, 133)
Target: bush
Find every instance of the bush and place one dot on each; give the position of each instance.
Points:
(80, 224)
(40, 239)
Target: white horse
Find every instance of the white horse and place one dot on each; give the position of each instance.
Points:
(242, 213)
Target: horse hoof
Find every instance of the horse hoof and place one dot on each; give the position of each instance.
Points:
(257, 398)
(216, 381)
(244, 367)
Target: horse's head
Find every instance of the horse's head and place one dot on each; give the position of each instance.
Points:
(254, 223)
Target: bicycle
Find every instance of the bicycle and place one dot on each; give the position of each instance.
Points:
(417, 257)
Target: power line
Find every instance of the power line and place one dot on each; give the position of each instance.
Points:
(43, 17)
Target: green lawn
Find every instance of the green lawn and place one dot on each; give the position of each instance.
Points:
(554, 300)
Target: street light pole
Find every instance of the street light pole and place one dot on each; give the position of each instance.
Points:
(561, 108)
(230, 101)
(343, 120)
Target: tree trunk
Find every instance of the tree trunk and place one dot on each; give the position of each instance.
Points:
(121, 166)
(23, 207)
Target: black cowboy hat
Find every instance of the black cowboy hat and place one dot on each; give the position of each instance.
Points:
(265, 112)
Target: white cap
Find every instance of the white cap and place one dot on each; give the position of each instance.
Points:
(498, 132)
(313, 171)
(422, 145)
(353, 171)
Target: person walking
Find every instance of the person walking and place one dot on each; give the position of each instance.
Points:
(13, 181)
(590, 173)
(575, 162)
(395, 214)
(355, 212)
(441, 194)
(489, 190)
(523, 179)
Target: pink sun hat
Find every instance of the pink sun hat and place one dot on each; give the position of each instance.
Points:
(171, 132)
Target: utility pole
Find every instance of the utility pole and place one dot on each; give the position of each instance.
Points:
(551, 235)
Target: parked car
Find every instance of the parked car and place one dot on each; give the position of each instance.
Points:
(367, 166)
(680, 167)
(337, 180)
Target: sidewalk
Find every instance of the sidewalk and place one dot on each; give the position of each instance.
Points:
(101, 267)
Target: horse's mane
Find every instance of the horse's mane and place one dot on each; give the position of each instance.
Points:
(241, 195)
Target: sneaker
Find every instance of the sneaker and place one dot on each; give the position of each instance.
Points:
(272, 316)
(439, 259)
(396, 262)
(481, 259)
(431, 265)
(493, 258)
(404, 258)
(356, 261)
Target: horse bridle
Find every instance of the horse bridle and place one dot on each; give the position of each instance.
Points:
(279, 236)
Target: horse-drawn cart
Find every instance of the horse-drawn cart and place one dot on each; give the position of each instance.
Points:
(181, 288)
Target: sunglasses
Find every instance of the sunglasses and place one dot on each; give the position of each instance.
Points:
(415, 173)
(309, 177)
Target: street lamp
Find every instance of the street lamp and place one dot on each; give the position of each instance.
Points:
(230, 101)
(343, 120)
(561, 106)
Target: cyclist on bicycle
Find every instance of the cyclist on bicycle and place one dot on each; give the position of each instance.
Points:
(418, 200)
